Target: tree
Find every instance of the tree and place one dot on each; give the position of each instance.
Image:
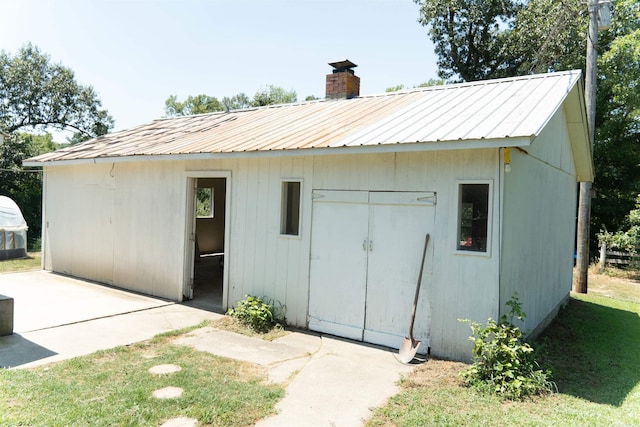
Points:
(273, 95)
(470, 36)
(200, 104)
(36, 93)
(428, 83)
(617, 131)
(24, 186)
(550, 35)
(547, 35)
(236, 102)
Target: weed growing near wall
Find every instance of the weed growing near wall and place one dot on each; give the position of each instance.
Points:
(503, 364)
(257, 314)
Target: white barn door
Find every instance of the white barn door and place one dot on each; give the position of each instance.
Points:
(338, 265)
(398, 223)
(366, 249)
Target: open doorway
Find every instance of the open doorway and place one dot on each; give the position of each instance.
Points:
(208, 210)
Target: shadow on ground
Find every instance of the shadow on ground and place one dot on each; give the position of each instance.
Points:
(593, 352)
(15, 350)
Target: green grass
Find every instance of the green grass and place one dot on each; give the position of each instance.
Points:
(24, 264)
(114, 388)
(593, 349)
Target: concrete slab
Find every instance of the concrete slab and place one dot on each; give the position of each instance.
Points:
(44, 300)
(339, 386)
(240, 347)
(59, 317)
(329, 381)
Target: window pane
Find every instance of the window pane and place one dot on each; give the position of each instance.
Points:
(204, 206)
(290, 221)
(473, 214)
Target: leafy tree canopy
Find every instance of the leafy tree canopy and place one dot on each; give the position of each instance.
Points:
(273, 95)
(192, 105)
(200, 104)
(470, 36)
(617, 134)
(430, 82)
(24, 186)
(486, 39)
(36, 93)
(481, 39)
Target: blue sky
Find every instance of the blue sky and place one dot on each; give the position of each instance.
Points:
(136, 53)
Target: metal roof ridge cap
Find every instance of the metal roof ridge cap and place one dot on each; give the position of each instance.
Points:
(450, 86)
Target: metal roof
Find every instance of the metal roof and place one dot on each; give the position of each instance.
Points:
(489, 113)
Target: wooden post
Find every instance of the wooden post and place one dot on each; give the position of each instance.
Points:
(603, 256)
(584, 206)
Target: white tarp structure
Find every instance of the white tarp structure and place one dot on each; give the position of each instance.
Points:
(13, 230)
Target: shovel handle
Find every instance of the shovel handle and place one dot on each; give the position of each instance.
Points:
(415, 300)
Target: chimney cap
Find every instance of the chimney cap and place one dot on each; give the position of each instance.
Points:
(340, 66)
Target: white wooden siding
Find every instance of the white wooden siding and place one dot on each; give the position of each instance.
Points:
(538, 232)
(463, 286)
(148, 228)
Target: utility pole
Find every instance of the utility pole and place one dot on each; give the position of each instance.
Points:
(584, 205)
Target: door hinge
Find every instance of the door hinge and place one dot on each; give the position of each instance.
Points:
(433, 199)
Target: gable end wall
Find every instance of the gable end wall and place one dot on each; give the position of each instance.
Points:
(538, 233)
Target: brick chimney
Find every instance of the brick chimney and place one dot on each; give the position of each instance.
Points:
(342, 83)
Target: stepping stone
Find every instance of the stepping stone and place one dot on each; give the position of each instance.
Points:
(164, 369)
(180, 422)
(168, 393)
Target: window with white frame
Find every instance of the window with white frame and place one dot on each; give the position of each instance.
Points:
(473, 217)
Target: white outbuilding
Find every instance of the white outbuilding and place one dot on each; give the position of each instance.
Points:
(323, 206)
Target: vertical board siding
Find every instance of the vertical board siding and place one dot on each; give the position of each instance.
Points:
(146, 205)
(150, 228)
(79, 222)
(262, 262)
(117, 224)
(463, 286)
(539, 225)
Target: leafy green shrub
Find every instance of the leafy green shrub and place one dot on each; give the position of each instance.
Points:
(503, 364)
(257, 314)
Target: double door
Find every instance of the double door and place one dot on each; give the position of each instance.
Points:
(366, 249)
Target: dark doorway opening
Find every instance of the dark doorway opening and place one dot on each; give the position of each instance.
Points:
(208, 263)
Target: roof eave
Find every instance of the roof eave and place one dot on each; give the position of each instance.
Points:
(575, 111)
(400, 147)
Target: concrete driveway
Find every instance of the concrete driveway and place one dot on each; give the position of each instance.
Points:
(58, 317)
(329, 381)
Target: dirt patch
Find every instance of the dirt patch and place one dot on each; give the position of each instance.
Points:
(436, 373)
(232, 324)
